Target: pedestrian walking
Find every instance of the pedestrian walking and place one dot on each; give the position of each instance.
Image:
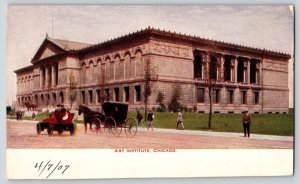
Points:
(139, 117)
(150, 119)
(33, 116)
(180, 120)
(246, 123)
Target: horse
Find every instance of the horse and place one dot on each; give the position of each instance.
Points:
(89, 116)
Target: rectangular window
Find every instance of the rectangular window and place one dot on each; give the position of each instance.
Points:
(107, 94)
(216, 96)
(116, 94)
(126, 91)
(137, 93)
(83, 96)
(98, 95)
(256, 98)
(90, 96)
(244, 97)
(200, 95)
(230, 96)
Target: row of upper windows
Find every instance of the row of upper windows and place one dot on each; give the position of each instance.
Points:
(229, 96)
(116, 57)
(26, 78)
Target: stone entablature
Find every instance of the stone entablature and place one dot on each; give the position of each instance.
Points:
(243, 75)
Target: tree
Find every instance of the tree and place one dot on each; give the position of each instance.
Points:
(160, 100)
(72, 89)
(150, 77)
(211, 76)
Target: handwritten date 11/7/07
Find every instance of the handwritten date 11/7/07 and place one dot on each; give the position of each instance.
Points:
(50, 167)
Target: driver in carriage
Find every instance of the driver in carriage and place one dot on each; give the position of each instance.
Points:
(62, 114)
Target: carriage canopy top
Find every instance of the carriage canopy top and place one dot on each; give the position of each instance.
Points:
(117, 110)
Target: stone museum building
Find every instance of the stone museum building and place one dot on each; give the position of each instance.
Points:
(240, 77)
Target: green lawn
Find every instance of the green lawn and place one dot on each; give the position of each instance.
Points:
(271, 124)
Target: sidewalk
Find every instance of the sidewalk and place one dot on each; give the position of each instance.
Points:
(199, 132)
(221, 134)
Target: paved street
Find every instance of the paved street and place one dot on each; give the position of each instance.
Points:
(23, 135)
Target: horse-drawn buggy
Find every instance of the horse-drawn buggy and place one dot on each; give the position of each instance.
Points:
(60, 120)
(112, 121)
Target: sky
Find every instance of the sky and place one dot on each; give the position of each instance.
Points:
(270, 27)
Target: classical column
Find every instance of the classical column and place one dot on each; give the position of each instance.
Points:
(235, 69)
(207, 68)
(245, 65)
(260, 72)
(221, 73)
(203, 63)
(53, 75)
(248, 71)
(41, 78)
(232, 70)
(256, 72)
(47, 77)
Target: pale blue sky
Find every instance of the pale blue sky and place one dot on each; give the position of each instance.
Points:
(268, 27)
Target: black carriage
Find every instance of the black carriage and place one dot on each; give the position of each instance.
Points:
(115, 119)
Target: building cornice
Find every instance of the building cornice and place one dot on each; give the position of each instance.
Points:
(27, 68)
(152, 33)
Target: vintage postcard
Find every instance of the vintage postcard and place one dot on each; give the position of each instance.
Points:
(148, 91)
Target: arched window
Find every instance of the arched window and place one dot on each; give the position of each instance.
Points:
(91, 72)
(61, 98)
(127, 59)
(36, 99)
(54, 98)
(42, 99)
(107, 68)
(139, 70)
(83, 73)
(97, 71)
(119, 67)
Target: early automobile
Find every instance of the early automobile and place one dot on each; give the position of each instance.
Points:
(60, 120)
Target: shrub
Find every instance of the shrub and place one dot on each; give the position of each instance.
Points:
(174, 105)
(161, 108)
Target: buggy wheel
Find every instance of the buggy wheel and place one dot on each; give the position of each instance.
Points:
(50, 130)
(130, 127)
(111, 126)
(71, 129)
(38, 128)
(95, 125)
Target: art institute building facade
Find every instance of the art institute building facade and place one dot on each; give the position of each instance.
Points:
(243, 77)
